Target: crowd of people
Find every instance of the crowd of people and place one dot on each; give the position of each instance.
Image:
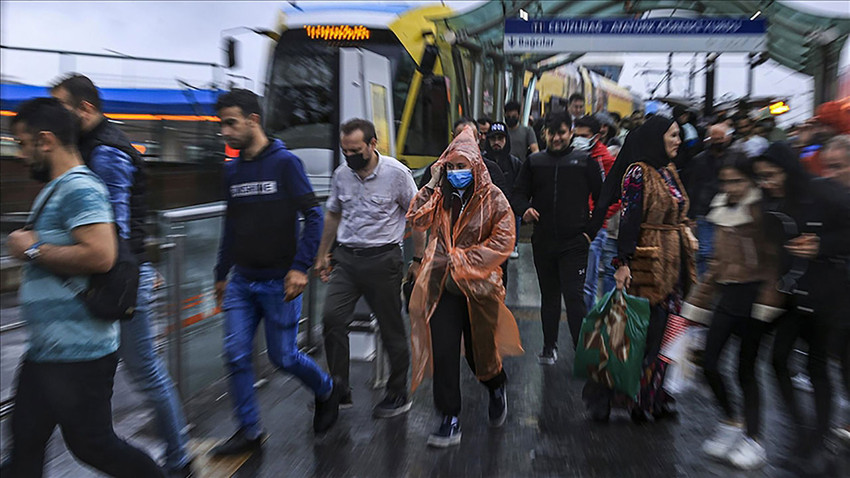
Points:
(728, 223)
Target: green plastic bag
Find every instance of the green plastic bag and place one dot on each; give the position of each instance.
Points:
(612, 342)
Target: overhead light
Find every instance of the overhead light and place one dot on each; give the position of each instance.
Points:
(755, 15)
(523, 14)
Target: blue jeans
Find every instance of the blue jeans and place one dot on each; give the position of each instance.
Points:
(705, 236)
(245, 303)
(518, 224)
(591, 280)
(609, 252)
(149, 375)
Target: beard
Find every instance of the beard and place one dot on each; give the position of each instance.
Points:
(41, 171)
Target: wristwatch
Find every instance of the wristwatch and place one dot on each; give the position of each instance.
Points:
(34, 251)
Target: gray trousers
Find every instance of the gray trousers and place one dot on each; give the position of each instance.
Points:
(378, 279)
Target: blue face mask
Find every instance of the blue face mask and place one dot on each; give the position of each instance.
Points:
(459, 178)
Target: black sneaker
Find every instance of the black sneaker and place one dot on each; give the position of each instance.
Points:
(327, 411)
(345, 402)
(239, 443)
(447, 435)
(548, 357)
(392, 405)
(498, 407)
(185, 471)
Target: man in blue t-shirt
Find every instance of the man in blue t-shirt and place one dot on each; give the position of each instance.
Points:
(66, 376)
(266, 190)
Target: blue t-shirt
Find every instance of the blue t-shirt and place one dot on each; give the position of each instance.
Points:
(60, 327)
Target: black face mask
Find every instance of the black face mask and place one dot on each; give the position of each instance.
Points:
(356, 161)
(511, 121)
(40, 172)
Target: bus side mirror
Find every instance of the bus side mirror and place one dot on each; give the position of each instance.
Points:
(230, 51)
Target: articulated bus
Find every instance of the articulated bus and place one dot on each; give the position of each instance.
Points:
(334, 63)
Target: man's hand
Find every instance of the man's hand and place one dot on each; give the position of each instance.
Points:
(623, 277)
(19, 241)
(323, 267)
(805, 246)
(413, 271)
(294, 284)
(220, 286)
(530, 215)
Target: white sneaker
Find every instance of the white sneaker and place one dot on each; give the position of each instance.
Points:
(515, 253)
(721, 442)
(747, 454)
(802, 382)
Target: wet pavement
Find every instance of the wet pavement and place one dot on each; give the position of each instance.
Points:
(546, 433)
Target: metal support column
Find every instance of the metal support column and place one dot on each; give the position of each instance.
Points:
(517, 81)
(708, 105)
(499, 87)
(477, 86)
(175, 262)
(529, 97)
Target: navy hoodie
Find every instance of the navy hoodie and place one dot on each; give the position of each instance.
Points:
(264, 197)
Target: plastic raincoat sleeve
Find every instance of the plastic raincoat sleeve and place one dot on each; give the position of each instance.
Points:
(420, 215)
(479, 260)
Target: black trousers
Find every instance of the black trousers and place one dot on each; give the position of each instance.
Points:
(561, 271)
(736, 320)
(815, 330)
(76, 396)
(378, 278)
(449, 323)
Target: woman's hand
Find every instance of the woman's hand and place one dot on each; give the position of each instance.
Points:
(436, 175)
(623, 277)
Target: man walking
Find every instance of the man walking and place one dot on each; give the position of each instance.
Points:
(266, 190)
(108, 153)
(552, 190)
(523, 140)
(365, 219)
(67, 374)
(498, 150)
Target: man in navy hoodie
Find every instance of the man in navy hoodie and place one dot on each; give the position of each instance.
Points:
(266, 189)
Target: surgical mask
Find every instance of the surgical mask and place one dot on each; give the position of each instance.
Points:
(581, 143)
(356, 161)
(459, 178)
(511, 121)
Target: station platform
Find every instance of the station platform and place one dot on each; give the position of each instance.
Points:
(546, 434)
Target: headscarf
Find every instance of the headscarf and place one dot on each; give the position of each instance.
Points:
(797, 178)
(465, 144)
(646, 144)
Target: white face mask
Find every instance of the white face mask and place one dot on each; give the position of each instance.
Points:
(582, 144)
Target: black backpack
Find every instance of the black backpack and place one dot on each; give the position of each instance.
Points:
(110, 295)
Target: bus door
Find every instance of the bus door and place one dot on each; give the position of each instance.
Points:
(366, 92)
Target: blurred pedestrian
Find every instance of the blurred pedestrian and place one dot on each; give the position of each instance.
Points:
(523, 140)
(498, 150)
(459, 294)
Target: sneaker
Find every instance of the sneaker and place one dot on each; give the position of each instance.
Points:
(548, 357)
(721, 442)
(345, 402)
(842, 433)
(498, 407)
(447, 435)
(392, 405)
(327, 411)
(239, 443)
(515, 253)
(747, 454)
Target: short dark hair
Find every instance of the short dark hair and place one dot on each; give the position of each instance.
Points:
(81, 88)
(483, 121)
(365, 126)
(512, 106)
(463, 120)
(245, 100)
(616, 117)
(555, 121)
(48, 114)
(588, 122)
(576, 97)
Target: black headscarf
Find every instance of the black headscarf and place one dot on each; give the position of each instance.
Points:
(646, 144)
(797, 179)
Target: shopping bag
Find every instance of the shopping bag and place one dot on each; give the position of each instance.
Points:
(612, 341)
(684, 366)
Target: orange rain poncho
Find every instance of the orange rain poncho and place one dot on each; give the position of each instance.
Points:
(472, 252)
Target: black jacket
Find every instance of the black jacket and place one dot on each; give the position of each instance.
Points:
(508, 163)
(702, 184)
(558, 187)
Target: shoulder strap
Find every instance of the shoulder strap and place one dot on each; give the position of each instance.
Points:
(30, 223)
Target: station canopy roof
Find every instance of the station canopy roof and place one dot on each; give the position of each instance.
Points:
(794, 37)
(126, 100)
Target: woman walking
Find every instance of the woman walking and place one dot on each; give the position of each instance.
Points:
(459, 292)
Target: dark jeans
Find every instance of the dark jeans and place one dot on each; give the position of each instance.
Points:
(561, 273)
(378, 278)
(728, 321)
(816, 331)
(449, 323)
(76, 396)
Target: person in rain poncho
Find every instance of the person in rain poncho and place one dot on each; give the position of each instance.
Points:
(459, 292)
